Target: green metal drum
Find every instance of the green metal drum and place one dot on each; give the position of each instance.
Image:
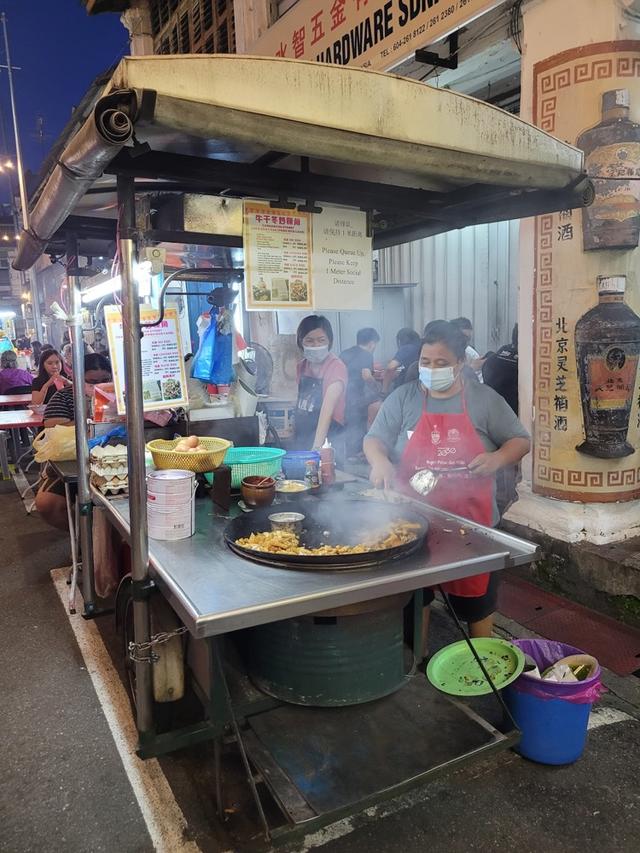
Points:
(338, 657)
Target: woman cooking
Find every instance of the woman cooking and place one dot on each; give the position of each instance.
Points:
(442, 422)
(322, 381)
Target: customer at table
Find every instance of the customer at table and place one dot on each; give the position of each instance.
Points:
(50, 500)
(51, 377)
(322, 383)
(442, 421)
(12, 377)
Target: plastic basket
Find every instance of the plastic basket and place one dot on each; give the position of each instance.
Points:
(253, 461)
(165, 455)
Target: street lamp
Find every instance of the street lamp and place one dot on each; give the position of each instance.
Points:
(24, 202)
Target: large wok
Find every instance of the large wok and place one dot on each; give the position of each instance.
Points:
(335, 522)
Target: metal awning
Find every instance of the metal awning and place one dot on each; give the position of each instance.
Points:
(421, 160)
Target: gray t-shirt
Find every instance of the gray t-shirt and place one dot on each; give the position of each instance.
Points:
(492, 417)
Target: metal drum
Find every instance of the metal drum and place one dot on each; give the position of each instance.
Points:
(338, 657)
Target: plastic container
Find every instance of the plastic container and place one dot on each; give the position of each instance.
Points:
(171, 482)
(552, 716)
(171, 504)
(294, 463)
(253, 461)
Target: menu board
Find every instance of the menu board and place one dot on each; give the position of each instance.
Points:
(164, 381)
(342, 260)
(277, 252)
(296, 260)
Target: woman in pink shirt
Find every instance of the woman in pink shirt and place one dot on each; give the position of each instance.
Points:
(322, 382)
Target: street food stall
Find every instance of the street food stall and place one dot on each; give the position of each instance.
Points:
(297, 135)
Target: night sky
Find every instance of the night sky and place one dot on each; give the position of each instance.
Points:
(60, 50)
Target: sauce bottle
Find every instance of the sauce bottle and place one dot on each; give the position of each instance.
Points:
(327, 464)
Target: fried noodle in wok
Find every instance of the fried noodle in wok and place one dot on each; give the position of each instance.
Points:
(285, 542)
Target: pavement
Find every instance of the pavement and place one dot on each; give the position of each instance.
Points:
(71, 783)
(63, 786)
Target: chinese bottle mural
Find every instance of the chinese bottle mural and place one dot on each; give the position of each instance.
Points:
(607, 350)
(612, 159)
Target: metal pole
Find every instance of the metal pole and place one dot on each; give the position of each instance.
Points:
(24, 201)
(135, 452)
(85, 507)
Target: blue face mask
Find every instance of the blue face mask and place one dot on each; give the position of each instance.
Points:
(437, 378)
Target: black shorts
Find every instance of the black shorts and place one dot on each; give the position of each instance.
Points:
(472, 609)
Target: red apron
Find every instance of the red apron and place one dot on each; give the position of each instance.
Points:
(446, 441)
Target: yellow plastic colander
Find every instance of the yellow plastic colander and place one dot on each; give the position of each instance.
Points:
(165, 455)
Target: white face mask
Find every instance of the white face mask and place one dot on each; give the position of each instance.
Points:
(437, 378)
(316, 355)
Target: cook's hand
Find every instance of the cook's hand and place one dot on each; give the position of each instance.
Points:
(485, 464)
(382, 474)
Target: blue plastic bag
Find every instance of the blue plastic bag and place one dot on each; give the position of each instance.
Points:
(203, 359)
(213, 361)
(101, 440)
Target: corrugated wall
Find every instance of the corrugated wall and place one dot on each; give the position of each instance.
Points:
(472, 272)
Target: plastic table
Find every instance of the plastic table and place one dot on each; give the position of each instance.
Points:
(8, 400)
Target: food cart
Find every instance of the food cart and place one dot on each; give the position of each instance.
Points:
(419, 161)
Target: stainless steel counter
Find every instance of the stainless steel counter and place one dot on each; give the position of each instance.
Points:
(215, 591)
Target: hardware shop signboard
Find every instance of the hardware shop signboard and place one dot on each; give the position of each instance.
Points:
(376, 34)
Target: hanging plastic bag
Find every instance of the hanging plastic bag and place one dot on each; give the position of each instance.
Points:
(213, 361)
(55, 444)
(203, 359)
(222, 373)
(105, 556)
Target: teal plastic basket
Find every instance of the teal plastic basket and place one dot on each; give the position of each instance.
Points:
(253, 461)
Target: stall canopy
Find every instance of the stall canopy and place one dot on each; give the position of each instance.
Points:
(421, 160)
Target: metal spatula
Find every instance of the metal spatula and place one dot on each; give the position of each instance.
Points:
(425, 480)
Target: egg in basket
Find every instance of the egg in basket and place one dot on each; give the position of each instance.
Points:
(193, 453)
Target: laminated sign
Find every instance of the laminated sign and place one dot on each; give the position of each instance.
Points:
(296, 260)
(277, 257)
(164, 382)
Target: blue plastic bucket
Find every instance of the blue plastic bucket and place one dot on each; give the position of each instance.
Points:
(294, 461)
(553, 718)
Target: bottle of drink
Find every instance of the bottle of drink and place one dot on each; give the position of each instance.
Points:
(612, 159)
(607, 351)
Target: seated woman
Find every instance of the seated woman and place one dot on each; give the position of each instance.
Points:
(322, 382)
(50, 500)
(51, 377)
(12, 379)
